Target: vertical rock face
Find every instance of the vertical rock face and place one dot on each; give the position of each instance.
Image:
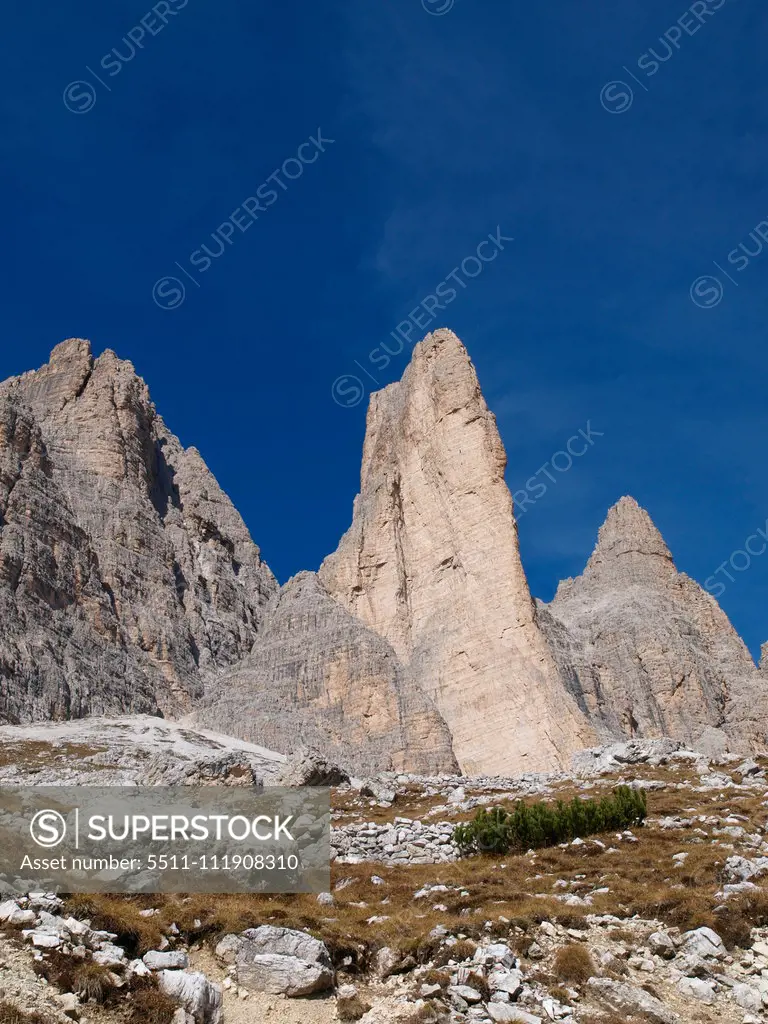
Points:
(646, 651)
(126, 575)
(431, 563)
(318, 677)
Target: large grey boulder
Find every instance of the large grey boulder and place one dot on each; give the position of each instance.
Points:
(704, 942)
(171, 959)
(308, 767)
(279, 961)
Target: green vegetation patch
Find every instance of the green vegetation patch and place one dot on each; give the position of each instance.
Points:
(548, 823)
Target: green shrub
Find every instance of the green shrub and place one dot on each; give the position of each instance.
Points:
(546, 824)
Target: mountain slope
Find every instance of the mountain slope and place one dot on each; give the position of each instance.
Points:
(318, 677)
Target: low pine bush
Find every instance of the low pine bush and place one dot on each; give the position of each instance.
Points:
(546, 824)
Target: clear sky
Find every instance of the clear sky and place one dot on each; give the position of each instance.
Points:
(623, 148)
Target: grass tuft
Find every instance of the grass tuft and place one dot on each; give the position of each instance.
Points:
(574, 964)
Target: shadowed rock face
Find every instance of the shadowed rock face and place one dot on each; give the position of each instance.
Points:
(318, 677)
(126, 575)
(431, 563)
(646, 651)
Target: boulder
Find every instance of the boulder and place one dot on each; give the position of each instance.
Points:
(703, 942)
(282, 961)
(198, 996)
(740, 869)
(697, 988)
(503, 1013)
(747, 997)
(11, 913)
(308, 767)
(110, 955)
(662, 945)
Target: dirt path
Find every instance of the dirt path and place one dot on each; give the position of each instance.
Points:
(260, 1007)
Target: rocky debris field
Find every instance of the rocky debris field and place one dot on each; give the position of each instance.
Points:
(667, 923)
(131, 750)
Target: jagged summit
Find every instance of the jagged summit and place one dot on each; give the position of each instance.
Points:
(645, 650)
(126, 575)
(630, 537)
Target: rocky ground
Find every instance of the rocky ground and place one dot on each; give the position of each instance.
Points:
(131, 750)
(666, 923)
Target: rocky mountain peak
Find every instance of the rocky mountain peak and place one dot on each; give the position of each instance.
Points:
(630, 544)
(645, 650)
(126, 575)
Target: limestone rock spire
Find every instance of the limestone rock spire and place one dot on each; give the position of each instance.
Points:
(431, 563)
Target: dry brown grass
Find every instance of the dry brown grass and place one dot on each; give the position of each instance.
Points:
(610, 1018)
(479, 984)
(151, 1006)
(119, 915)
(513, 893)
(435, 977)
(86, 979)
(431, 1012)
(29, 754)
(10, 1014)
(461, 950)
(574, 964)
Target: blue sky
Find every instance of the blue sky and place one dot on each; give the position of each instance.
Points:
(446, 127)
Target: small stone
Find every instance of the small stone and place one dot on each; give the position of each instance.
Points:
(173, 960)
(469, 995)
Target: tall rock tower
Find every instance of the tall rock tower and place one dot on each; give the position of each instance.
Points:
(431, 563)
